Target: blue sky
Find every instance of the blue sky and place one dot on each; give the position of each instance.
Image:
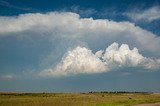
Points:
(79, 46)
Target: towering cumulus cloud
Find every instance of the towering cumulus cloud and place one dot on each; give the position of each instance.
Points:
(81, 60)
(115, 56)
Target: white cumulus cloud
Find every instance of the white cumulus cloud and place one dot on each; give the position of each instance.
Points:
(82, 60)
(68, 25)
(79, 60)
(123, 56)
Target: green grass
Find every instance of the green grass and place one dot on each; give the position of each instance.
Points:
(76, 99)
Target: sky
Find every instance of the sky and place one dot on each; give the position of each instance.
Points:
(79, 45)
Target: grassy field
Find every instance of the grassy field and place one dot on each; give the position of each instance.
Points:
(76, 99)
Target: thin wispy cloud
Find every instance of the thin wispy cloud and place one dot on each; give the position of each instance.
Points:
(91, 12)
(147, 15)
(9, 5)
(85, 12)
(8, 76)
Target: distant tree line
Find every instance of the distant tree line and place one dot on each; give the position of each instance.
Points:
(120, 92)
